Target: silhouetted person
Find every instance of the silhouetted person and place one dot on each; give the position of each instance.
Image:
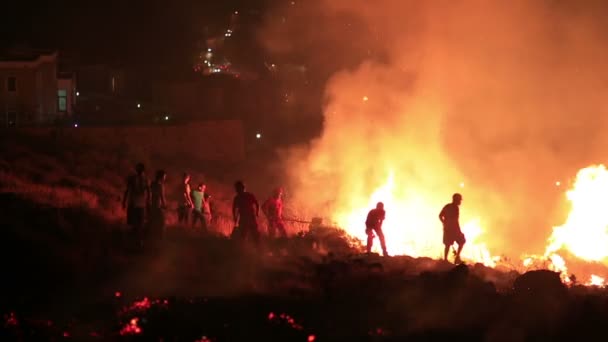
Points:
(135, 200)
(449, 216)
(186, 205)
(273, 210)
(373, 223)
(201, 211)
(245, 210)
(158, 204)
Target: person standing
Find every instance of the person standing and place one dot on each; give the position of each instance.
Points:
(200, 212)
(373, 224)
(186, 205)
(135, 200)
(273, 210)
(245, 211)
(449, 217)
(158, 204)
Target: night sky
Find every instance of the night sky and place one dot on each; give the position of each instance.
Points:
(127, 32)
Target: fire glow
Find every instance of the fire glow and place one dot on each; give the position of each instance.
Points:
(585, 233)
(412, 227)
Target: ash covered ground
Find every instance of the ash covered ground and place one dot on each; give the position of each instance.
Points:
(70, 272)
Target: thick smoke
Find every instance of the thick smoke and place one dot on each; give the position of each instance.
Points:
(504, 96)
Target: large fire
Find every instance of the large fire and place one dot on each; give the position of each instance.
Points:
(412, 226)
(584, 235)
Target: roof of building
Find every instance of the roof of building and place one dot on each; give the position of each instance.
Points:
(24, 54)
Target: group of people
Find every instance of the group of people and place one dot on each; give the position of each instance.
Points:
(141, 198)
(246, 209)
(449, 217)
(145, 203)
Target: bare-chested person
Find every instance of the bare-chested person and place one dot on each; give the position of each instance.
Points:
(449, 216)
(273, 210)
(186, 205)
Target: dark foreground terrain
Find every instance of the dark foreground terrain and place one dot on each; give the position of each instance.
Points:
(90, 283)
(70, 272)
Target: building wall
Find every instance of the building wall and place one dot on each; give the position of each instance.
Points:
(23, 100)
(47, 100)
(67, 85)
(35, 98)
(100, 79)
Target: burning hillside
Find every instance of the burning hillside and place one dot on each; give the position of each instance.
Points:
(493, 100)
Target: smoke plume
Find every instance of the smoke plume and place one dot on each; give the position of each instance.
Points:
(505, 98)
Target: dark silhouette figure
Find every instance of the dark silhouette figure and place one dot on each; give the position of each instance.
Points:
(449, 216)
(186, 205)
(373, 223)
(158, 204)
(245, 211)
(135, 200)
(273, 210)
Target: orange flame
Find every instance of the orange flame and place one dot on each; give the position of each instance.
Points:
(584, 235)
(412, 226)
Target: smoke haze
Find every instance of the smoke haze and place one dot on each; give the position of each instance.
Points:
(505, 97)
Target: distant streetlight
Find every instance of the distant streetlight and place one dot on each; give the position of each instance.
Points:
(166, 117)
(76, 125)
(138, 105)
(77, 93)
(258, 136)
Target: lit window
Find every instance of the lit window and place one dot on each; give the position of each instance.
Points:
(62, 100)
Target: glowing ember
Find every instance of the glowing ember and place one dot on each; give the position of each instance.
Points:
(411, 226)
(585, 233)
(596, 281)
(132, 328)
(311, 338)
(117, 294)
(11, 319)
(286, 319)
(143, 304)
